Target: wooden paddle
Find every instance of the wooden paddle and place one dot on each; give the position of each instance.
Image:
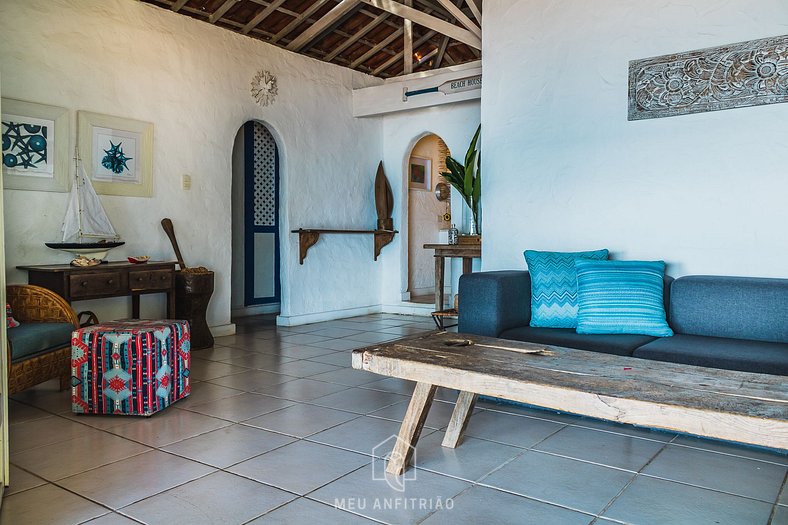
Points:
(166, 223)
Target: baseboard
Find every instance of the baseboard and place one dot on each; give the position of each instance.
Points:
(223, 330)
(295, 320)
(248, 311)
(408, 309)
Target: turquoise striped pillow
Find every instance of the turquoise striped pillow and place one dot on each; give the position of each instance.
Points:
(621, 297)
(554, 286)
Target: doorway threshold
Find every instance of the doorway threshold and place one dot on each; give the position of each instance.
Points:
(409, 308)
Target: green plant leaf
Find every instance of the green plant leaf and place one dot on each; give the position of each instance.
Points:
(477, 185)
(470, 168)
(472, 146)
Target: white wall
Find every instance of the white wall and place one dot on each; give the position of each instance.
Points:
(455, 124)
(565, 170)
(129, 59)
(237, 298)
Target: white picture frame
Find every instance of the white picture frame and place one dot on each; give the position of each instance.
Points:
(420, 174)
(35, 146)
(117, 154)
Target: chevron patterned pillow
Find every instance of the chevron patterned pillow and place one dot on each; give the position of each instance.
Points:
(554, 286)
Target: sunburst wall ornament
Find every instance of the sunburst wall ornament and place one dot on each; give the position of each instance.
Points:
(264, 88)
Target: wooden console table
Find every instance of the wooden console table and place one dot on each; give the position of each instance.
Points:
(467, 252)
(112, 279)
(308, 237)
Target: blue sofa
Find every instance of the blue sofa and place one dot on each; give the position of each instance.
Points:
(735, 323)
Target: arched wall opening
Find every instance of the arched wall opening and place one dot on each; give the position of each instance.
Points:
(428, 216)
(256, 283)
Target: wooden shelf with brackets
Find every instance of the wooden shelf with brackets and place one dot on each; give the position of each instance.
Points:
(307, 237)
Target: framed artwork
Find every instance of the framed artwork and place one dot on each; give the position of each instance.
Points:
(420, 174)
(117, 154)
(35, 146)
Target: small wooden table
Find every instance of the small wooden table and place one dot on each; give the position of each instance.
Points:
(467, 252)
(111, 279)
(723, 404)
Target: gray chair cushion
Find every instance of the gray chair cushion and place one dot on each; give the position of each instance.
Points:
(618, 344)
(717, 352)
(29, 339)
(730, 307)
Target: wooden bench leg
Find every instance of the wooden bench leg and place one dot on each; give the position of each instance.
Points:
(459, 419)
(411, 427)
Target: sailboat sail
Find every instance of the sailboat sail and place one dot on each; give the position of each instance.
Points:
(85, 216)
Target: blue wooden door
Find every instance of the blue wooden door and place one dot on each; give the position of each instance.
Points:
(261, 216)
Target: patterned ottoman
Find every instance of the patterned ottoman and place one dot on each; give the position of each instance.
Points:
(131, 367)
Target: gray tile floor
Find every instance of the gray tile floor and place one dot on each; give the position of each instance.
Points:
(279, 429)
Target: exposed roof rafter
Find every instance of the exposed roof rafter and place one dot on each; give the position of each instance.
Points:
(316, 29)
(262, 15)
(429, 21)
(216, 15)
(360, 34)
(477, 12)
(461, 17)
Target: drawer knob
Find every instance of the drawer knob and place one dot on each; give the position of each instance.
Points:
(163, 277)
(109, 281)
(139, 278)
(84, 283)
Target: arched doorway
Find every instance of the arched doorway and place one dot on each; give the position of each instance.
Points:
(429, 216)
(256, 284)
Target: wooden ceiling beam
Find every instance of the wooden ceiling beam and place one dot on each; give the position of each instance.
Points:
(475, 9)
(441, 52)
(316, 29)
(407, 48)
(297, 21)
(428, 21)
(375, 50)
(178, 5)
(461, 17)
(216, 15)
(355, 38)
(262, 15)
(444, 44)
(387, 64)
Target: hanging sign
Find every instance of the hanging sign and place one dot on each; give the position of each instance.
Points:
(447, 88)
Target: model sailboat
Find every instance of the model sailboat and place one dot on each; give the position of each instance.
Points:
(87, 231)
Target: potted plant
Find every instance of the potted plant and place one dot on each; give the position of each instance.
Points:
(467, 179)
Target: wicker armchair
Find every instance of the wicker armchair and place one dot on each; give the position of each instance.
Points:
(33, 304)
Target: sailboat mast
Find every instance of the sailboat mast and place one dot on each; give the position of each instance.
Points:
(77, 159)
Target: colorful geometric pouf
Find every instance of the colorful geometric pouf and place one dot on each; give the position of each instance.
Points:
(130, 367)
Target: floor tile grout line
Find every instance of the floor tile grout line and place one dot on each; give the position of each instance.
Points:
(374, 520)
(776, 505)
(729, 454)
(632, 479)
(693, 485)
(534, 498)
(133, 502)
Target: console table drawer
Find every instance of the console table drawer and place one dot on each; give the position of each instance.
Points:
(95, 284)
(150, 280)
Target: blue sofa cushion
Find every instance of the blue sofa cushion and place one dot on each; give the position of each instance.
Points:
(29, 339)
(618, 344)
(621, 297)
(731, 307)
(491, 302)
(718, 352)
(554, 286)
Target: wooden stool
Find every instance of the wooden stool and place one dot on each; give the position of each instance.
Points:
(440, 315)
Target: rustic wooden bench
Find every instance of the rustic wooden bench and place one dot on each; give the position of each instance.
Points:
(723, 404)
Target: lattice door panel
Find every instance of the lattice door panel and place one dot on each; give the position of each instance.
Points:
(264, 176)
